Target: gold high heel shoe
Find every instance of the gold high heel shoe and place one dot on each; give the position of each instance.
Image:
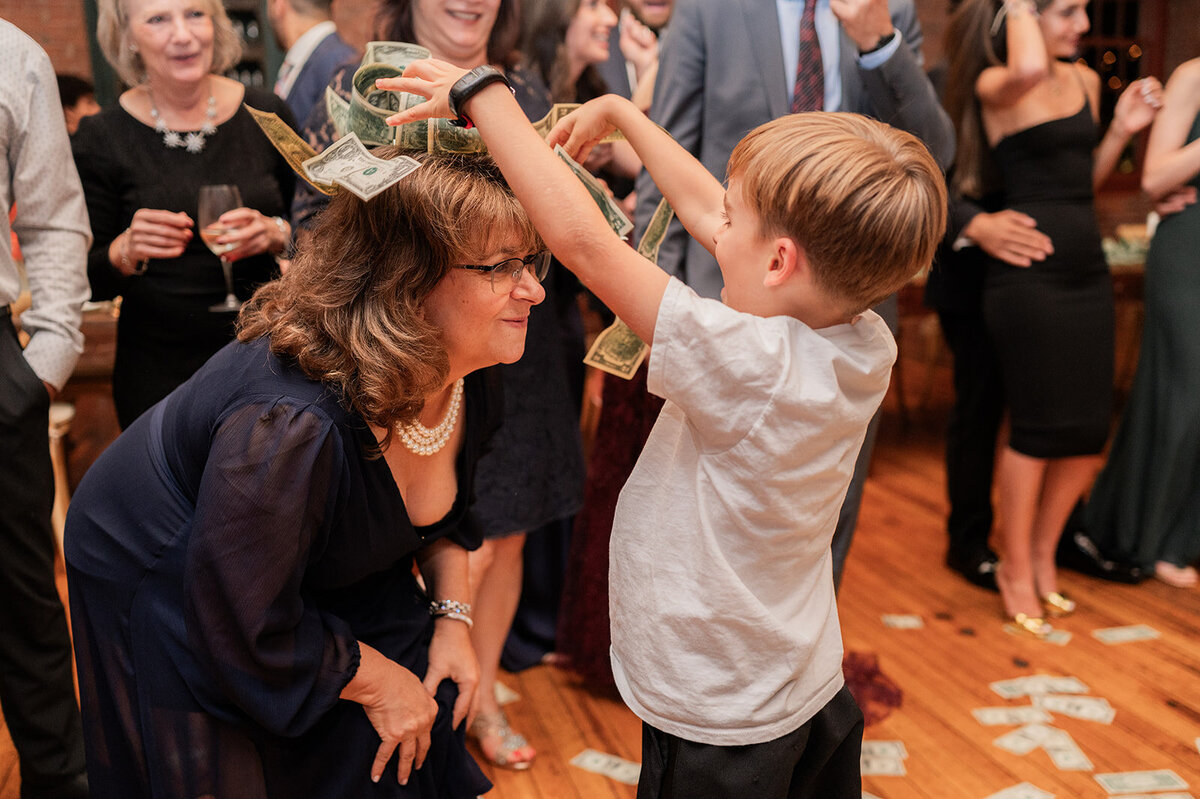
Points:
(1033, 626)
(1058, 605)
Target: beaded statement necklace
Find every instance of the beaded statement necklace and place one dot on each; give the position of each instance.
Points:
(192, 141)
(423, 440)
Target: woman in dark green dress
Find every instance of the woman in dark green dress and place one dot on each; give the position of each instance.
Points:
(1145, 506)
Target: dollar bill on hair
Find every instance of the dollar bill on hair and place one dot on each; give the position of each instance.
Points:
(446, 137)
(338, 109)
(612, 213)
(370, 106)
(1023, 791)
(397, 54)
(412, 135)
(294, 149)
(610, 766)
(1125, 635)
(1140, 781)
(347, 163)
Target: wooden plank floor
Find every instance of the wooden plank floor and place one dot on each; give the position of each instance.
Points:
(943, 670)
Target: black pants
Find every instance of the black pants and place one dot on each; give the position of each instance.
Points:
(37, 692)
(971, 435)
(818, 761)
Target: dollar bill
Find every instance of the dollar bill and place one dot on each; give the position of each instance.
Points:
(1023, 791)
(1140, 781)
(1038, 684)
(559, 110)
(994, 716)
(1125, 635)
(294, 149)
(1065, 753)
(370, 107)
(612, 212)
(446, 137)
(889, 749)
(504, 694)
(617, 350)
(1024, 740)
(397, 54)
(872, 766)
(412, 135)
(897, 621)
(338, 108)
(1088, 708)
(347, 163)
(656, 231)
(1169, 795)
(866, 795)
(607, 765)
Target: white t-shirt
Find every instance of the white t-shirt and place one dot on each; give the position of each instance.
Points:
(724, 621)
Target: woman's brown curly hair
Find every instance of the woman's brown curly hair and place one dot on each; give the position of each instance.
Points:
(349, 309)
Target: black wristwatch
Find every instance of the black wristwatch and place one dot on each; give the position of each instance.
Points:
(467, 86)
(883, 42)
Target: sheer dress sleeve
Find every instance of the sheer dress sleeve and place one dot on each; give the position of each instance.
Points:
(274, 481)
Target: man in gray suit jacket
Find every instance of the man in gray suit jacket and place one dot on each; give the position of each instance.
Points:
(724, 70)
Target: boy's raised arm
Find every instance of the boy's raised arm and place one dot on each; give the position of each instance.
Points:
(560, 207)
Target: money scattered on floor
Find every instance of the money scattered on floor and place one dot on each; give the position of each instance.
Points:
(866, 795)
(1038, 684)
(1140, 781)
(1023, 791)
(1125, 635)
(1088, 708)
(882, 766)
(1171, 795)
(892, 749)
(607, 765)
(1026, 714)
(504, 694)
(1065, 753)
(883, 759)
(1023, 740)
(897, 621)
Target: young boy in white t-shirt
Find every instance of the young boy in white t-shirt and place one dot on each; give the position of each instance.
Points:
(724, 623)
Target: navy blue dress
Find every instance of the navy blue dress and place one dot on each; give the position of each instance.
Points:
(225, 556)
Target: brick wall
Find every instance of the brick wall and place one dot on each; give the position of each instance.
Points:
(58, 26)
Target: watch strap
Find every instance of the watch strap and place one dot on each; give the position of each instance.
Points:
(467, 87)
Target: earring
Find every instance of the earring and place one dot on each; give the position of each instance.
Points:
(133, 48)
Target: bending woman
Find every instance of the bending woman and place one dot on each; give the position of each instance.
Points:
(1026, 119)
(241, 559)
(1145, 507)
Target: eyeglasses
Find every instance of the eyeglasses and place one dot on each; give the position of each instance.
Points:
(506, 275)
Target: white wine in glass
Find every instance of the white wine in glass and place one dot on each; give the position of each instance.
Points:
(214, 201)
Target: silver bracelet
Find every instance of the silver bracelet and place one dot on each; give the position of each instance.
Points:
(451, 609)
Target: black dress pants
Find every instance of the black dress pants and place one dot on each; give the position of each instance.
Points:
(820, 760)
(37, 691)
(971, 435)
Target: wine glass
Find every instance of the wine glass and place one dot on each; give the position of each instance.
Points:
(214, 201)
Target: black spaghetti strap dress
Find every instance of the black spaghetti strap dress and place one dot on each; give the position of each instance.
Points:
(1052, 323)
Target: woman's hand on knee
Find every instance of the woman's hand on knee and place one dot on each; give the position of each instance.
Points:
(398, 707)
(451, 657)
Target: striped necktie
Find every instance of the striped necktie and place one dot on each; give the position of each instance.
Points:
(809, 92)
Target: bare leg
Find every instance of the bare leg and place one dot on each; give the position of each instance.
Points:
(1020, 479)
(495, 570)
(1066, 480)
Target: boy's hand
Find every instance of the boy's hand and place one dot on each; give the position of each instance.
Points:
(582, 129)
(429, 78)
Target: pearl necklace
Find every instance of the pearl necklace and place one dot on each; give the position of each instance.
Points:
(424, 440)
(194, 141)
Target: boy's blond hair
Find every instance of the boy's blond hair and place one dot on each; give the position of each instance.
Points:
(866, 201)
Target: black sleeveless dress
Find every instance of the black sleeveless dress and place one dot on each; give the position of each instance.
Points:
(1052, 323)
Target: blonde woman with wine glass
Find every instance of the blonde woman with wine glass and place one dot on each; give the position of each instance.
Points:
(142, 163)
